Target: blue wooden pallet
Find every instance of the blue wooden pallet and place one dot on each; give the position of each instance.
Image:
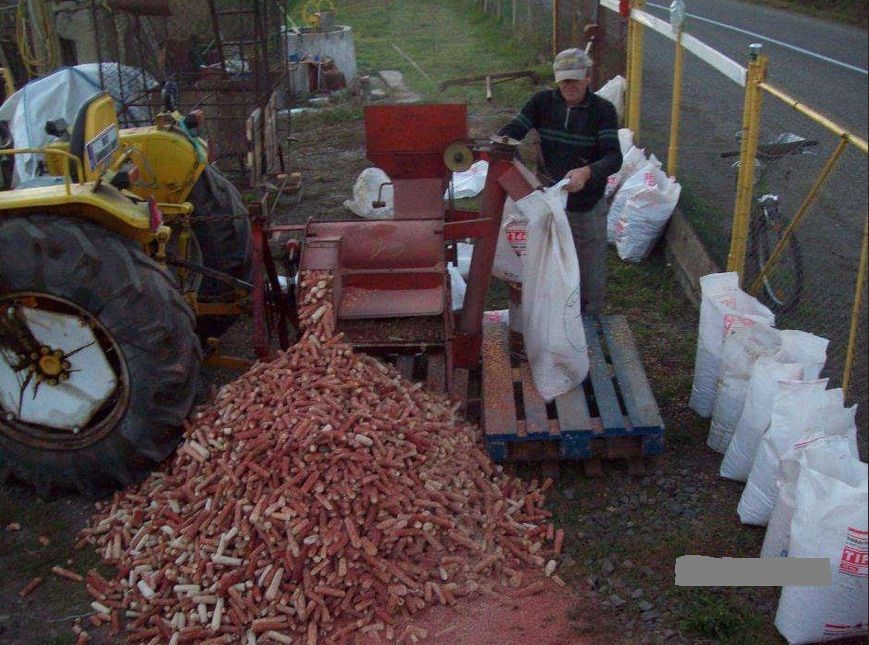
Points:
(612, 415)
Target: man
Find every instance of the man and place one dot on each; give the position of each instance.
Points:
(579, 141)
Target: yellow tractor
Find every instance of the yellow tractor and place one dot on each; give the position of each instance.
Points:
(105, 260)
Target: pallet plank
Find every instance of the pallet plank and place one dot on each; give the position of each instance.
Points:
(499, 405)
(634, 384)
(536, 421)
(573, 412)
(604, 390)
(582, 431)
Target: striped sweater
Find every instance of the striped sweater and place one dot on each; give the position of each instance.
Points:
(572, 137)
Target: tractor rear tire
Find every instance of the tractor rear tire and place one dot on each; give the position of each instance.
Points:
(137, 304)
(226, 242)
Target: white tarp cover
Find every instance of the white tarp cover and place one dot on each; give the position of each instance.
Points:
(59, 96)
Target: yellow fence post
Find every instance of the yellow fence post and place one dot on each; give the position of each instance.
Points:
(855, 312)
(755, 75)
(629, 69)
(673, 150)
(635, 87)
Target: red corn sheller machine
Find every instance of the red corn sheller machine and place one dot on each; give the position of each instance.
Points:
(391, 287)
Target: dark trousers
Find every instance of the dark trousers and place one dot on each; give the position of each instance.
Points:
(589, 237)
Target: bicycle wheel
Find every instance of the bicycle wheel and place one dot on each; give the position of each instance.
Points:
(783, 285)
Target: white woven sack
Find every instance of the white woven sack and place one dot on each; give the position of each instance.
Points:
(551, 316)
(645, 215)
(739, 352)
(804, 348)
(763, 387)
(372, 185)
(799, 407)
(614, 92)
(830, 521)
(511, 244)
(624, 183)
(724, 307)
(832, 451)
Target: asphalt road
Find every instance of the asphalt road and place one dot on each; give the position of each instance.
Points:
(819, 63)
(712, 105)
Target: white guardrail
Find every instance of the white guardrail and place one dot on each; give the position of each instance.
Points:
(727, 66)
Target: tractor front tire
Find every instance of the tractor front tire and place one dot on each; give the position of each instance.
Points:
(148, 328)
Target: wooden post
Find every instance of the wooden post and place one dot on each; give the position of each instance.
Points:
(555, 18)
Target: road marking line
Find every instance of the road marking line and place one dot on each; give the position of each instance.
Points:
(801, 50)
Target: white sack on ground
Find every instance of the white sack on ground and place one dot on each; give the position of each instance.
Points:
(763, 388)
(645, 215)
(511, 246)
(372, 185)
(457, 287)
(623, 183)
(804, 348)
(626, 140)
(724, 307)
(60, 95)
(614, 92)
(800, 406)
(551, 316)
(833, 451)
(464, 252)
(830, 521)
(470, 182)
(739, 352)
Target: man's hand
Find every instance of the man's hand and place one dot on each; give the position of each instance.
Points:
(578, 177)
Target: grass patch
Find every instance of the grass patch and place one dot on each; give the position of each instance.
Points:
(386, 35)
(706, 220)
(711, 614)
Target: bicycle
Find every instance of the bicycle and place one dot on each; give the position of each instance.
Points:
(783, 285)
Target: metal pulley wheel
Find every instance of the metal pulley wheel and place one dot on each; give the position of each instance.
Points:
(458, 156)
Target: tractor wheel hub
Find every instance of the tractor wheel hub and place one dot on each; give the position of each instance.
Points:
(62, 381)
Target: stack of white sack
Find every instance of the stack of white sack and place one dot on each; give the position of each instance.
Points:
(829, 522)
(801, 357)
(724, 307)
(830, 449)
(624, 183)
(632, 159)
(651, 199)
(739, 352)
(800, 407)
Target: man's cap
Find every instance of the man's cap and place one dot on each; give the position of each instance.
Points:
(571, 65)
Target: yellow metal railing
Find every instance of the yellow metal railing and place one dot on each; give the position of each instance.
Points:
(748, 151)
(634, 71)
(67, 179)
(855, 311)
